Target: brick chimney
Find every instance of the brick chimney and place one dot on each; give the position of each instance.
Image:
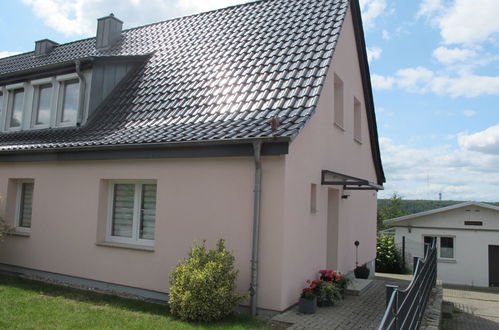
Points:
(108, 31)
(43, 47)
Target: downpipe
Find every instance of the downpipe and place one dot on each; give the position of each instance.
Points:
(257, 147)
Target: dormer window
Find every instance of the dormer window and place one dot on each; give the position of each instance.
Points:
(69, 102)
(15, 108)
(42, 103)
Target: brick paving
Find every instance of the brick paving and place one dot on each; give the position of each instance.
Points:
(470, 308)
(354, 312)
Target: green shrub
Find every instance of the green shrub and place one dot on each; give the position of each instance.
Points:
(388, 259)
(202, 286)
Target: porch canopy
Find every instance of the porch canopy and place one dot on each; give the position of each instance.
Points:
(348, 182)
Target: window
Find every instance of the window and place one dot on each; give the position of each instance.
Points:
(313, 198)
(357, 120)
(24, 204)
(132, 212)
(42, 105)
(338, 101)
(16, 105)
(69, 101)
(447, 247)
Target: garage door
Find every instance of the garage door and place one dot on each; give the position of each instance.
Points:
(494, 265)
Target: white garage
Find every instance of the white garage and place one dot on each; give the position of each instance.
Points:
(467, 238)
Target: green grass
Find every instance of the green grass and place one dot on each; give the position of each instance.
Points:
(27, 304)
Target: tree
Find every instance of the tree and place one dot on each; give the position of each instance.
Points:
(392, 209)
(4, 228)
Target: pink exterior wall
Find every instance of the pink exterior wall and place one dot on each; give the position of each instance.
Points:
(198, 199)
(324, 146)
(207, 199)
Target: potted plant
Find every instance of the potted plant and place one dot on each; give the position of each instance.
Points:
(361, 271)
(329, 294)
(308, 301)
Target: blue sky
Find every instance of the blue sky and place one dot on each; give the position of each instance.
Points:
(434, 68)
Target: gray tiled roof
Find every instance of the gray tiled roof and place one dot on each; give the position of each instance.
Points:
(219, 75)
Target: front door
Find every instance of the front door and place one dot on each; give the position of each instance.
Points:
(493, 265)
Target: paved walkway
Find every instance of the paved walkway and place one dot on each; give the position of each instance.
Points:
(354, 312)
(470, 308)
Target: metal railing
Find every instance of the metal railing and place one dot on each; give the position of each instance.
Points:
(405, 308)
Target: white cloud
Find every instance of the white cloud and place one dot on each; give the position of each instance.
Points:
(422, 80)
(458, 173)
(79, 17)
(428, 7)
(486, 141)
(371, 9)
(7, 54)
(462, 21)
(469, 113)
(373, 53)
(381, 82)
(452, 55)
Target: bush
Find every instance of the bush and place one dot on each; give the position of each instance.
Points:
(4, 228)
(388, 259)
(202, 286)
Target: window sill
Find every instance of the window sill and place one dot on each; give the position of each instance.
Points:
(127, 246)
(339, 126)
(359, 141)
(20, 233)
(447, 261)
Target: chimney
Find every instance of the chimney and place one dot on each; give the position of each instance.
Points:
(108, 31)
(43, 47)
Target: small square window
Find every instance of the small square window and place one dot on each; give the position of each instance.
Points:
(132, 212)
(24, 204)
(447, 247)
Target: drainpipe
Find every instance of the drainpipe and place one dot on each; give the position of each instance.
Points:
(81, 99)
(257, 147)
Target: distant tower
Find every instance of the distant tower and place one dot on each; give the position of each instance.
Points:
(439, 196)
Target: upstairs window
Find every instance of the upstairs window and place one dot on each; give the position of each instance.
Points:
(338, 101)
(16, 106)
(69, 101)
(42, 105)
(357, 120)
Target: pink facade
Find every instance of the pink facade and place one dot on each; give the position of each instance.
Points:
(210, 198)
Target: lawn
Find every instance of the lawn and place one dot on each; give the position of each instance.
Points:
(27, 304)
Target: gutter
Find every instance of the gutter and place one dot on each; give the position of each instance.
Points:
(81, 99)
(257, 146)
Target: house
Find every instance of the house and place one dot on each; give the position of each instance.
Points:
(254, 123)
(467, 241)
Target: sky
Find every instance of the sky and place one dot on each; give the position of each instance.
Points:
(434, 69)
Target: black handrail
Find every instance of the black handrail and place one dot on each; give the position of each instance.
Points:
(405, 308)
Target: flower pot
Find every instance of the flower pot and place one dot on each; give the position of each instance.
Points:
(327, 303)
(361, 272)
(307, 306)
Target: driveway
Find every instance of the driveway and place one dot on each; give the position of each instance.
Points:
(470, 308)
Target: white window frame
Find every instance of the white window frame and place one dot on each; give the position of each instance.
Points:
(135, 240)
(19, 188)
(9, 89)
(61, 81)
(439, 256)
(36, 86)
